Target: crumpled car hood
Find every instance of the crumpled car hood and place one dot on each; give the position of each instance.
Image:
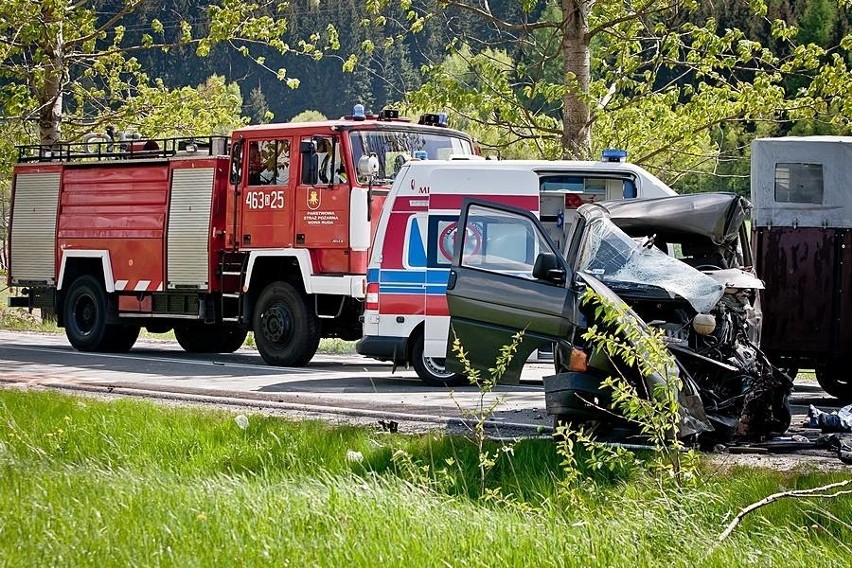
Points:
(717, 216)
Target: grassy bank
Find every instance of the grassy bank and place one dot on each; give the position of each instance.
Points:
(85, 483)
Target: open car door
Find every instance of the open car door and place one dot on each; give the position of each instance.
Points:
(448, 188)
(506, 277)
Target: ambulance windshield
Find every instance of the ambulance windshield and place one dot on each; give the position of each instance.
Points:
(395, 147)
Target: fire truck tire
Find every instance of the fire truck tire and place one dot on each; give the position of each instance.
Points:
(120, 338)
(85, 314)
(286, 330)
(232, 339)
(199, 338)
(432, 370)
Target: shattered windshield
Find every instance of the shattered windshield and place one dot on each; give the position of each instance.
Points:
(622, 262)
(395, 147)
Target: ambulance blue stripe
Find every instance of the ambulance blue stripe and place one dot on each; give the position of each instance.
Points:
(438, 276)
(414, 290)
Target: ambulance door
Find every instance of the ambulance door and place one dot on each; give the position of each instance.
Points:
(447, 189)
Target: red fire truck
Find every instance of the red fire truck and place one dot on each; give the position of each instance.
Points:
(267, 231)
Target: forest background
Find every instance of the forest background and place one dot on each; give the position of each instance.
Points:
(682, 85)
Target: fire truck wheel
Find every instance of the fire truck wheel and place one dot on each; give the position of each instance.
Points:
(432, 370)
(286, 330)
(85, 314)
(232, 339)
(200, 338)
(120, 338)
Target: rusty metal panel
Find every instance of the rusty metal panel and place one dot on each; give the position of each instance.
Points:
(33, 240)
(189, 227)
(799, 267)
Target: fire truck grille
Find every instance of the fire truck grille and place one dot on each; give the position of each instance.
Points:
(176, 304)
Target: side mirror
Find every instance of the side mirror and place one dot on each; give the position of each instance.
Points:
(547, 268)
(236, 173)
(310, 162)
(368, 166)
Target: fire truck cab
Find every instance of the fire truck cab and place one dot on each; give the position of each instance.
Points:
(267, 231)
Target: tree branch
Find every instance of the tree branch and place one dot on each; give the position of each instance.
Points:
(796, 493)
(128, 8)
(492, 19)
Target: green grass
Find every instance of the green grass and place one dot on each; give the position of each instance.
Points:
(19, 319)
(116, 483)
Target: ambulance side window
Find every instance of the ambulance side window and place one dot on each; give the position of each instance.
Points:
(442, 239)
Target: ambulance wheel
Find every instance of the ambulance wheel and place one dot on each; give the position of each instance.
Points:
(286, 330)
(433, 370)
(835, 380)
(85, 314)
(120, 338)
(199, 338)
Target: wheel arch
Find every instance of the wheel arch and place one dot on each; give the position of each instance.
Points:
(266, 267)
(419, 330)
(75, 263)
(79, 263)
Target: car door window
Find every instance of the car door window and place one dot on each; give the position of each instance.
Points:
(500, 241)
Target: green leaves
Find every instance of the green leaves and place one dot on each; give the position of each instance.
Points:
(662, 78)
(657, 414)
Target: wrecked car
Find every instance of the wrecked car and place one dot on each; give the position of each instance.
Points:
(682, 264)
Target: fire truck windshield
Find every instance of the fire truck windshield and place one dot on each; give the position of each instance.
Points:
(394, 147)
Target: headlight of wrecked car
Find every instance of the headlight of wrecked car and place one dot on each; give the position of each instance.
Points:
(704, 324)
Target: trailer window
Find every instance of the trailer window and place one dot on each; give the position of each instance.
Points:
(798, 183)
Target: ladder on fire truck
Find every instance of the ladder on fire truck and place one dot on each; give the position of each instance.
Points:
(232, 275)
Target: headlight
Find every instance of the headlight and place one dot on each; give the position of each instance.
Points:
(704, 324)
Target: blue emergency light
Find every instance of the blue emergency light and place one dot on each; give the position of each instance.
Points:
(614, 155)
(420, 155)
(358, 112)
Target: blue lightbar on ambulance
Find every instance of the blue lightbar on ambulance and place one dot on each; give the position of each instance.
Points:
(614, 155)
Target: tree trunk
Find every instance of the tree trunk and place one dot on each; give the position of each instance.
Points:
(576, 127)
(50, 97)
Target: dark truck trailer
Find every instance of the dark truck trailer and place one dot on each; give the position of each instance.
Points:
(801, 189)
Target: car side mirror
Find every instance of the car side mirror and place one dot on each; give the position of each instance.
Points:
(547, 268)
(236, 167)
(368, 166)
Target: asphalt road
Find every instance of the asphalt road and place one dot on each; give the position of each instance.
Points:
(342, 384)
(337, 384)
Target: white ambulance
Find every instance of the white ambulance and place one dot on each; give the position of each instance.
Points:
(406, 319)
